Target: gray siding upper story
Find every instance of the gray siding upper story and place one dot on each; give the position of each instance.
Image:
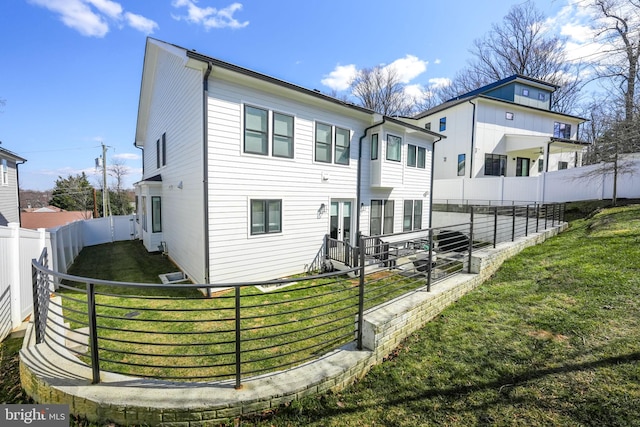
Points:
(9, 204)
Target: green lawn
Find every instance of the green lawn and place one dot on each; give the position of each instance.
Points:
(552, 339)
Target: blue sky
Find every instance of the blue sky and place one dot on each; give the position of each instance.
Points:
(70, 70)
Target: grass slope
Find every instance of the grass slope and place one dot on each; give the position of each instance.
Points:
(552, 339)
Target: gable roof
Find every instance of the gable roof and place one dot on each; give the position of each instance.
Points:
(13, 156)
(214, 62)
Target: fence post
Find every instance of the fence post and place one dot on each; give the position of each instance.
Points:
(495, 225)
(430, 260)
(326, 246)
(553, 217)
(93, 332)
(526, 225)
(361, 266)
(513, 223)
(537, 217)
(470, 241)
(546, 215)
(238, 385)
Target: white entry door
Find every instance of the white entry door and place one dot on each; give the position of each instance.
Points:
(341, 220)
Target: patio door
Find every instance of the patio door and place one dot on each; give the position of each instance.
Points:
(341, 220)
(522, 166)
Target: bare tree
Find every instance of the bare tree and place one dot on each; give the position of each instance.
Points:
(380, 89)
(119, 197)
(619, 28)
(521, 45)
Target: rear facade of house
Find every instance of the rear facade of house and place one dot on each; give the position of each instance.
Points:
(244, 174)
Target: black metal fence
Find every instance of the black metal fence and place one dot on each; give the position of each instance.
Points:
(176, 332)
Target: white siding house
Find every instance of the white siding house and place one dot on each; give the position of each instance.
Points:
(9, 200)
(244, 174)
(503, 129)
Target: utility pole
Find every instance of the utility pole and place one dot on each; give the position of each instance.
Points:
(106, 208)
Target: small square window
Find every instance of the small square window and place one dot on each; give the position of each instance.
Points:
(508, 116)
(542, 96)
(525, 92)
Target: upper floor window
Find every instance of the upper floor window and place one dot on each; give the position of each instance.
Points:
(282, 135)
(525, 92)
(158, 154)
(324, 143)
(461, 164)
(342, 152)
(266, 216)
(416, 156)
(562, 130)
(255, 130)
(508, 115)
(374, 146)
(563, 165)
(495, 165)
(4, 173)
(443, 124)
(542, 96)
(164, 149)
(427, 126)
(394, 145)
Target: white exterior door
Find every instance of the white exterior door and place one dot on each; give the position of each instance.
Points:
(341, 220)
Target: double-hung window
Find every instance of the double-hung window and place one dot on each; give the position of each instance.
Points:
(4, 173)
(394, 146)
(374, 146)
(324, 141)
(282, 135)
(412, 217)
(256, 130)
(416, 156)
(342, 152)
(381, 217)
(156, 214)
(266, 216)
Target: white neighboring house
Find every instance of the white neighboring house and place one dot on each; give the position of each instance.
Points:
(244, 174)
(503, 129)
(9, 198)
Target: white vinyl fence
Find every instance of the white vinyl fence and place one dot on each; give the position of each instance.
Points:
(18, 246)
(593, 182)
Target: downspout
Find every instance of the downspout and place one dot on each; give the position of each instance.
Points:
(359, 179)
(205, 168)
(546, 161)
(473, 142)
(141, 149)
(433, 162)
(18, 190)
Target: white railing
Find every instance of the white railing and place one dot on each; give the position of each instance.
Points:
(593, 182)
(18, 246)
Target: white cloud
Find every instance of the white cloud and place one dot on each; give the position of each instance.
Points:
(437, 61)
(210, 17)
(127, 156)
(439, 82)
(340, 77)
(415, 92)
(92, 18)
(408, 68)
(140, 23)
